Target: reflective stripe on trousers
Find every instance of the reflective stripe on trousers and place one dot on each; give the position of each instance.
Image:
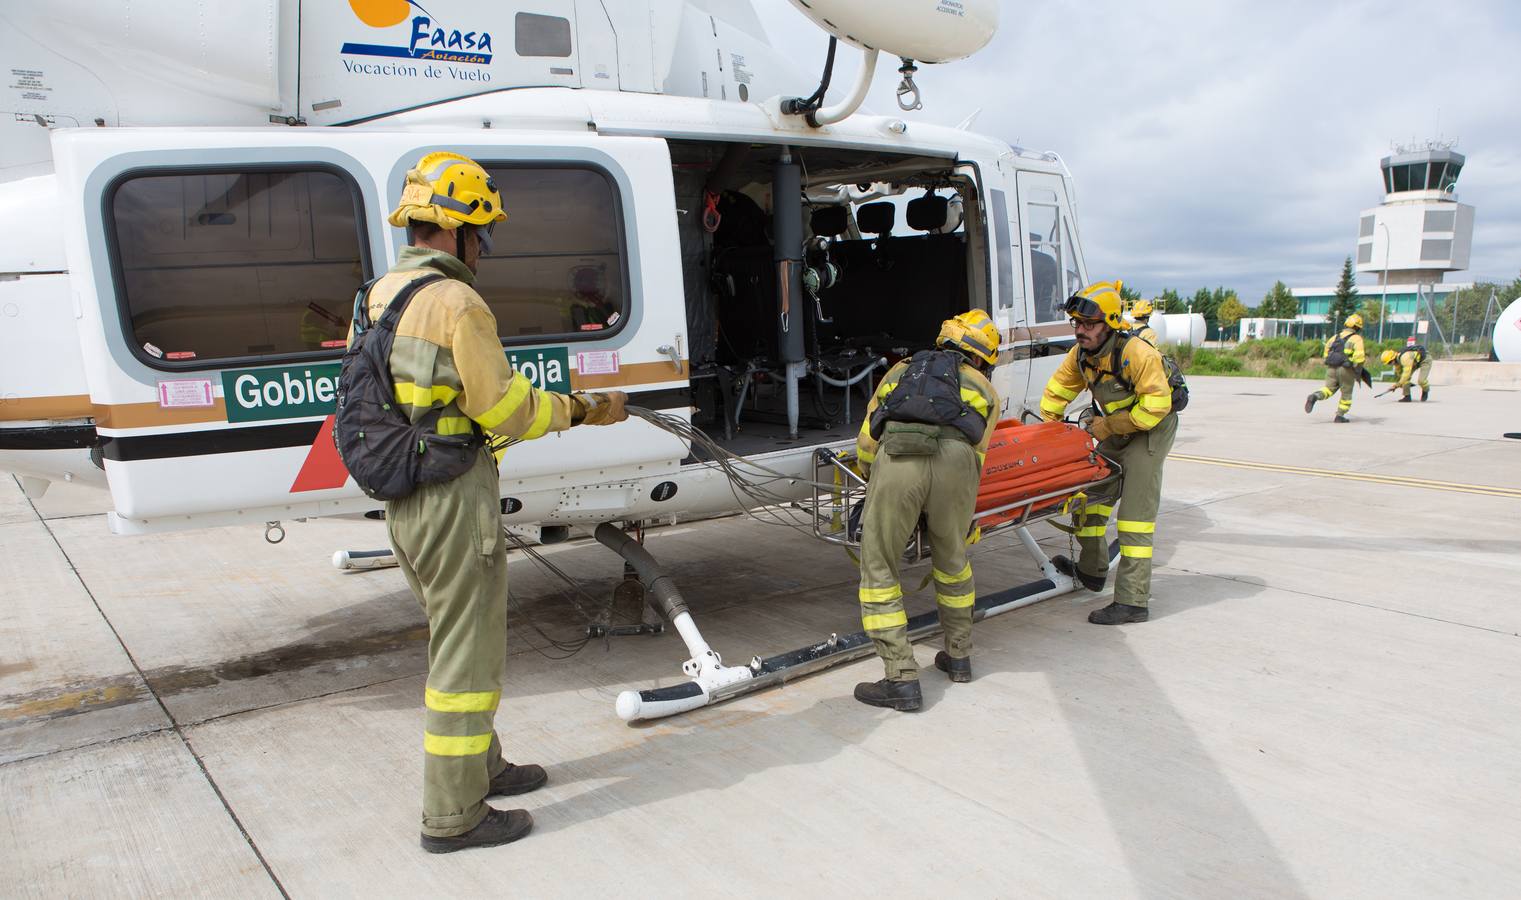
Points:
(943, 487)
(448, 541)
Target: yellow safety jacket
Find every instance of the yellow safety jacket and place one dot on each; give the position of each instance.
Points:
(976, 391)
(1408, 362)
(1145, 333)
(447, 355)
(1353, 347)
(1139, 385)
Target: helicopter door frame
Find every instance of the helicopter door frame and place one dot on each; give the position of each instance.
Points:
(191, 439)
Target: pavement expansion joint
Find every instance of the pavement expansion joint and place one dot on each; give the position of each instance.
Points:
(1373, 606)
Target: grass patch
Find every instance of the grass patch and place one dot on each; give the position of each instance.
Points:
(1280, 357)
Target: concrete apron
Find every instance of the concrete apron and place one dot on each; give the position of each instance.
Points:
(1300, 717)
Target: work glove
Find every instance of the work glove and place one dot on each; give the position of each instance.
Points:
(1104, 427)
(1100, 428)
(599, 408)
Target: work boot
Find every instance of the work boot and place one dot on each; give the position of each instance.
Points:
(1069, 568)
(1119, 614)
(1425, 392)
(517, 780)
(899, 695)
(960, 669)
(1404, 399)
(1341, 419)
(1310, 401)
(501, 826)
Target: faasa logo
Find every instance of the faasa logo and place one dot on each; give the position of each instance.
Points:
(428, 41)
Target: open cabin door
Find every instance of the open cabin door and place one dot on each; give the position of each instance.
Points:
(1042, 233)
(215, 274)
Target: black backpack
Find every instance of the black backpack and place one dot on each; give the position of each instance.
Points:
(1176, 384)
(1336, 355)
(388, 455)
(929, 393)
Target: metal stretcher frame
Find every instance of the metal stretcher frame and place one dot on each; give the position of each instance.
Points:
(711, 681)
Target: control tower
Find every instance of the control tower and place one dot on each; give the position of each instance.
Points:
(1420, 231)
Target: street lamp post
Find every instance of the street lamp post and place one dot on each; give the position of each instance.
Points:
(1383, 312)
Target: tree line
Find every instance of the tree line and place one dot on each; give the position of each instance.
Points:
(1222, 307)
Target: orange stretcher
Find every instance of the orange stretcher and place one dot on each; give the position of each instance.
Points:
(1030, 473)
(1035, 468)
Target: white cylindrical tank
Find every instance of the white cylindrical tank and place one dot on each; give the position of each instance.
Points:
(1179, 328)
(1508, 334)
(929, 31)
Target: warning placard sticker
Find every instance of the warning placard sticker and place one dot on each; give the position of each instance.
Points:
(181, 394)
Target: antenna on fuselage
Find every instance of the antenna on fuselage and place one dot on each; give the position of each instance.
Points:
(909, 29)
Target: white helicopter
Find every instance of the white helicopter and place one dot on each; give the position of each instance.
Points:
(192, 195)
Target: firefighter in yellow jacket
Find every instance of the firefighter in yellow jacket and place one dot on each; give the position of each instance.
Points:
(922, 446)
(1406, 363)
(1141, 313)
(1344, 358)
(1134, 423)
(448, 537)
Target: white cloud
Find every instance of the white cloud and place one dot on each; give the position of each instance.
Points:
(1234, 143)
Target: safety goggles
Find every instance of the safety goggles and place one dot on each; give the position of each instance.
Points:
(483, 234)
(1083, 308)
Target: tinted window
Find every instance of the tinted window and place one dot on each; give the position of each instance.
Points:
(1436, 250)
(1005, 253)
(1401, 178)
(1434, 176)
(1365, 252)
(1045, 261)
(1439, 220)
(1365, 227)
(557, 267)
(225, 265)
(536, 35)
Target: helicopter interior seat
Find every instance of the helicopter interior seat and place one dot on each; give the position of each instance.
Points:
(903, 286)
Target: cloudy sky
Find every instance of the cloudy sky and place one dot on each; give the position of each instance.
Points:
(1219, 142)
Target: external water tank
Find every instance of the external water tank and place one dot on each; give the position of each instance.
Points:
(928, 31)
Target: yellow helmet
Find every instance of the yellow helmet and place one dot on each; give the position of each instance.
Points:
(1354, 321)
(1100, 300)
(973, 332)
(448, 190)
(1388, 356)
(1142, 309)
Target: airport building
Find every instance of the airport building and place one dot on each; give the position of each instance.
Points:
(1406, 245)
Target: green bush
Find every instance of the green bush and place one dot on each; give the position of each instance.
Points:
(1214, 362)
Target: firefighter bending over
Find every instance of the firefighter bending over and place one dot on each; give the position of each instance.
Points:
(1133, 422)
(1344, 356)
(447, 357)
(922, 446)
(1406, 363)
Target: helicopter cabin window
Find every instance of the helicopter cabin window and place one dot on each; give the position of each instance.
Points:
(236, 265)
(539, 35)
(1004, 251)
(557, 268)
(1043, 220)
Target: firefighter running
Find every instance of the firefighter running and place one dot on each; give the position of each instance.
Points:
(447, 356)
(1134, 422)
(1344, 357)
(922, 446)
(1406, 363)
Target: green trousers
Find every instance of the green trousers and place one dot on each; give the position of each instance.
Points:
(1424, 377)
(448, 540)
(1142, 455)
(942, 485)
(1340, 378)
